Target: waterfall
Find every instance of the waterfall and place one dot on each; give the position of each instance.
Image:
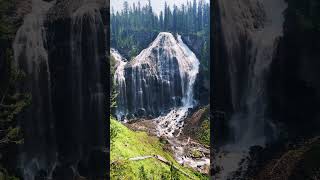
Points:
(250, 122)
(64, 61)
(31, 56)
(159, 81)
(158, 85)
(189, 69)
(119, 80)
(250, 30)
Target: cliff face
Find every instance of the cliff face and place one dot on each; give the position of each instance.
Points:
(61, 47)
(158, 79)
(285, 74)
(248, 33)
(294, 84)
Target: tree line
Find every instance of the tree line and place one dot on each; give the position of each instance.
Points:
(191, 17)
(135, 26)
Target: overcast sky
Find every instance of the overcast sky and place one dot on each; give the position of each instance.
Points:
(157, 5)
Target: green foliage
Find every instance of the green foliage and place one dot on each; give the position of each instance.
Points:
(129, 144)
(174, 173)
(204, 132)
(142, 173)
(15, 135)
(113, 92)
(4, 175)
(196, 153)
(118, 169)
(12, 103)
(135, 27)
(114, 130)
(8, 25)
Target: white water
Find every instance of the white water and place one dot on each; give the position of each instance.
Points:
(31, 55)
(250, 120)
(189, 69)
(171, 124)
(180, 150)
(29, 50)
(119, 80)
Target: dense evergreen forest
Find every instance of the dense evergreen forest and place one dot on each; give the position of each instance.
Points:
(136, 26)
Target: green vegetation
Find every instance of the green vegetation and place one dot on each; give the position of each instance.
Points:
(204, 132)
(11, 102)
(196, 153)
(129, 144)
(135, 27)
(113, 92)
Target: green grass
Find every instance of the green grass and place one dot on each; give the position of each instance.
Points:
(128, 144)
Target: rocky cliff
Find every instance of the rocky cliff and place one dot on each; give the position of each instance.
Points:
(61, 48)
(158, 79)
(279, 67)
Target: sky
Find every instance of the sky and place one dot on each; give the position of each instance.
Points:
(157, 5)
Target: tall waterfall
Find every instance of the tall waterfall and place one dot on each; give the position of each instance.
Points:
(119, 80)
(189, 69)
(63, 59)
(30, 54)
(250, 31)
(158, 82)
(250, 122)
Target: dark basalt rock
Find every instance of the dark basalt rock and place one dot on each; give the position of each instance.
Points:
(68, 126)
(157, 95)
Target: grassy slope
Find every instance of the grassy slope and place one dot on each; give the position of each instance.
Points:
(128, 144)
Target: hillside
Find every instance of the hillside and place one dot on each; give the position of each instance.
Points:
(128, 144)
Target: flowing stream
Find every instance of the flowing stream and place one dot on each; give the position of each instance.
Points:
(167, 63)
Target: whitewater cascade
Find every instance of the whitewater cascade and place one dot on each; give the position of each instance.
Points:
(250, 30)
(63, 127)
(174, 120)
(119, 80)
(158, 82)
(31, 55)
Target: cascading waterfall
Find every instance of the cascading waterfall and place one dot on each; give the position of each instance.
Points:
(251, 28)
(119, 80)
(31, 56)
(62, 129)
(86, 75)
(174, 120)
(161, 75)
(250, 129)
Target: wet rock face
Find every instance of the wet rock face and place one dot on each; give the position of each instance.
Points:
(153, 80)
(65, 65)
(294, 82)
(152, 91)
(250, 31)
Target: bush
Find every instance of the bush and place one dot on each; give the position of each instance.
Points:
(118, 170)
(174, 173)
(113, 132)
(204, 133)
(142, 173)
